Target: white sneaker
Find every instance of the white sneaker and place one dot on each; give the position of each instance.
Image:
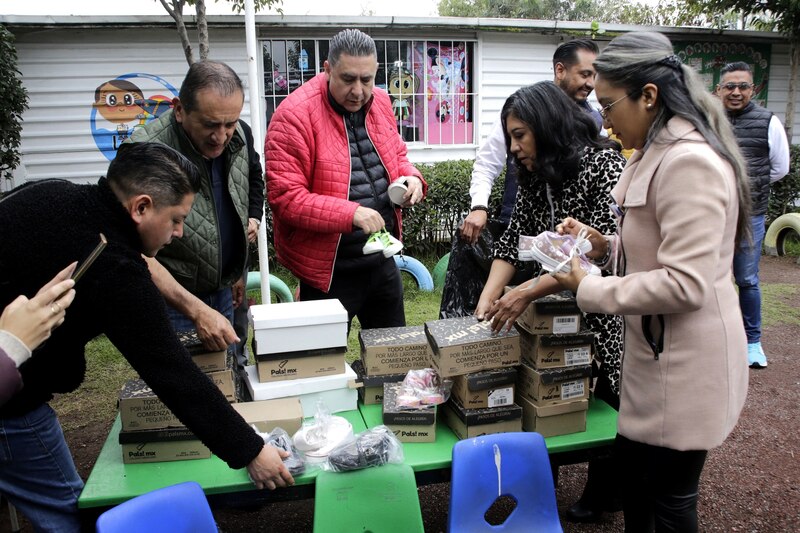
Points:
(391, 245)
(374, 244)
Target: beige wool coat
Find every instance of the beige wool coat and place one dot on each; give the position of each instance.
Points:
(676, 242)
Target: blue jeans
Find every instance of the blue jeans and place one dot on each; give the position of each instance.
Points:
(37, 473)
(745, 270)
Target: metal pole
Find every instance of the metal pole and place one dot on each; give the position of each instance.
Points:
(256, 123)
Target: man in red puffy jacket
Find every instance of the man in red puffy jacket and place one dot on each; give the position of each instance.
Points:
(332, 151)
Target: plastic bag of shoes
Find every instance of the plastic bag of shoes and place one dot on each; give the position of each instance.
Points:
(374, 447)
(278, 438)
(555, 252)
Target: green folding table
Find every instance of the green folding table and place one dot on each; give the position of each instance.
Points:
(428, 458)
(112, 482)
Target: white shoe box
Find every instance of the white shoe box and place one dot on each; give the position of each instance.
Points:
(295, 326)
(338, 391)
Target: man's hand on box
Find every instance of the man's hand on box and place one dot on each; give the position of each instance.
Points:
(267, 470)
(214, 330)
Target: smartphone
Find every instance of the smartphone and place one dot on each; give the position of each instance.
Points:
(84, 266)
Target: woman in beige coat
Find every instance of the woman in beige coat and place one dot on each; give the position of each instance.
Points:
(682, 203)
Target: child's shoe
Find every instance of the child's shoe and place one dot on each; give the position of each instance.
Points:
(391, 245)
(374, 244)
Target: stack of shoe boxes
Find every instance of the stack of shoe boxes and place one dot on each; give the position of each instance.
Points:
(553, 378)
(299, 351)
(151, 433)
(217, 364)
(482, 367)
(387, 354)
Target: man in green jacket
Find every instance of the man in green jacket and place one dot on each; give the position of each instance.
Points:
(200, 276)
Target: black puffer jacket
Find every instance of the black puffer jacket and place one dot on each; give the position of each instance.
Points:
(751, 126)
(368, 186)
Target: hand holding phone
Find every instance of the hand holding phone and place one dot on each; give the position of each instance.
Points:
(84, 266)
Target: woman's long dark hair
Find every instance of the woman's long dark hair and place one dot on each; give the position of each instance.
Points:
(561, 130)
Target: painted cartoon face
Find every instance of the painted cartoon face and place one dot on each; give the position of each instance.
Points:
(117, 104)
(402, 84)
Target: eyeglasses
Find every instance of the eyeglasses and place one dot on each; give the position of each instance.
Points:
(606, 109)
(743, 86)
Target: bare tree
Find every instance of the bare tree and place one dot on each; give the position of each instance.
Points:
(175, 10)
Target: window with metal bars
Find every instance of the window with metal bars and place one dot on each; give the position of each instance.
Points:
(429, 82)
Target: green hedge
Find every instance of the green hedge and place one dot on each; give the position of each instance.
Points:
(428, 227)
(785, 194)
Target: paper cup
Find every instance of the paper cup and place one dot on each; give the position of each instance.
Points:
(396, 192)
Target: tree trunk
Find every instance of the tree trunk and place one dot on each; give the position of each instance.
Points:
(176, 12)
(202, 29)
(794, 53)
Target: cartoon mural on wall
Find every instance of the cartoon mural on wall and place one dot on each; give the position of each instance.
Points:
(444, 67)
(402, 88)
(708, 58)
(120, 106)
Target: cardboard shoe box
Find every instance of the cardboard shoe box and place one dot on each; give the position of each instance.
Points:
(296, 326)
(303, 364)
(553, 385)
(464, 345)
(266, 415)
(552, 420)
(555, 313)
(224, 382)
(556, 350)
(140, 408)
(337, 391)
(408, 425)
(394, 350)
(205, 360)
(467, 423)
(172, 450)
(371, 390)
(484, 389)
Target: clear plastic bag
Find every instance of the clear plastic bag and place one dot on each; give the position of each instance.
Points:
(317, 437)
(280, 439)
(423, 388)
(555, 252)
(374, 447)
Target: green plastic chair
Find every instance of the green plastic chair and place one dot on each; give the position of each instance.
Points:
(380, 499)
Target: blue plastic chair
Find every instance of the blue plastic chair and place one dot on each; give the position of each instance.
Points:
(180, 508)
(504, 464)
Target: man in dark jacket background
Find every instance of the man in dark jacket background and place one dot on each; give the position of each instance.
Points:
(763, 143)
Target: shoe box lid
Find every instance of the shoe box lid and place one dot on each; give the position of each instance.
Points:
(303, 313)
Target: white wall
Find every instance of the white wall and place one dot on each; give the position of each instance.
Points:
(62, 68)
(779, 71)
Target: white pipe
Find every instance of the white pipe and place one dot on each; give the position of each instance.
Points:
(256, 124)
